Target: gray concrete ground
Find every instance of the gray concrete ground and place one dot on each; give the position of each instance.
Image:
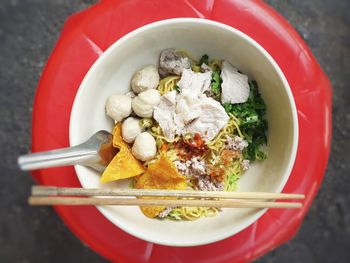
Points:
(28, 32)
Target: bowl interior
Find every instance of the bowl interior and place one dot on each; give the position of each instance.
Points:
(112, 73)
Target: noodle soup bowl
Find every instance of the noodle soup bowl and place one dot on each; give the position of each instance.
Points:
(111, 74)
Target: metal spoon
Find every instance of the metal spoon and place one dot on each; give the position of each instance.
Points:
(96, 152)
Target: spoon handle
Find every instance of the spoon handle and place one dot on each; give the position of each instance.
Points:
(89, 153)
(61, 157)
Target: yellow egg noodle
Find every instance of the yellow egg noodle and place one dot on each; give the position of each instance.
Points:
(192, 213)
(167, 84)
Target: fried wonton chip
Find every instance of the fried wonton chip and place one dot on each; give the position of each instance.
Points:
(123, 165)
(160, 175)
(117, 136)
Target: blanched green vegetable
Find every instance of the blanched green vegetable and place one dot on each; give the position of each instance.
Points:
(177, 88)
(253, 124)
(216, 80)
(216, 84)
(231, 182)
(204, 59)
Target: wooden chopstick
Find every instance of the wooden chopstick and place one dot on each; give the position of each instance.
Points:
(50, 195)
(42, 200)
(68, 191)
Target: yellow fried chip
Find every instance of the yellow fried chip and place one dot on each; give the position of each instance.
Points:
(151, 211)
(123, 165)
(159, 175)
(117, 136)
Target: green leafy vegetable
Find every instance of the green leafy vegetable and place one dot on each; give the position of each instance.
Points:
(204, 59)
(174, 214)
(216, 80)
(216, 84)
(231, 182)
(177, 88)
(253, 124)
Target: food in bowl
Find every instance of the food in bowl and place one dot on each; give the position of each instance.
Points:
(186, 124)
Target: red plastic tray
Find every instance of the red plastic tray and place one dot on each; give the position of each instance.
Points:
(87, 34)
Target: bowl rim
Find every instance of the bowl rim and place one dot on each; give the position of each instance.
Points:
(73, 138)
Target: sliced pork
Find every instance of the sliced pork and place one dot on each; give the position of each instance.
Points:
(194, 83)
(188, 109)
(164, 114)
(235, 86)
(210, 121)
(206, 116)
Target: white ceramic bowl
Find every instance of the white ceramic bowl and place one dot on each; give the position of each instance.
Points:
(112, 72)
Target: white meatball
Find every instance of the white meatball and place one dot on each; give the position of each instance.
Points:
(144, 147)
(118, 107)
(143, 104)
(130, 129)
(145, 79)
